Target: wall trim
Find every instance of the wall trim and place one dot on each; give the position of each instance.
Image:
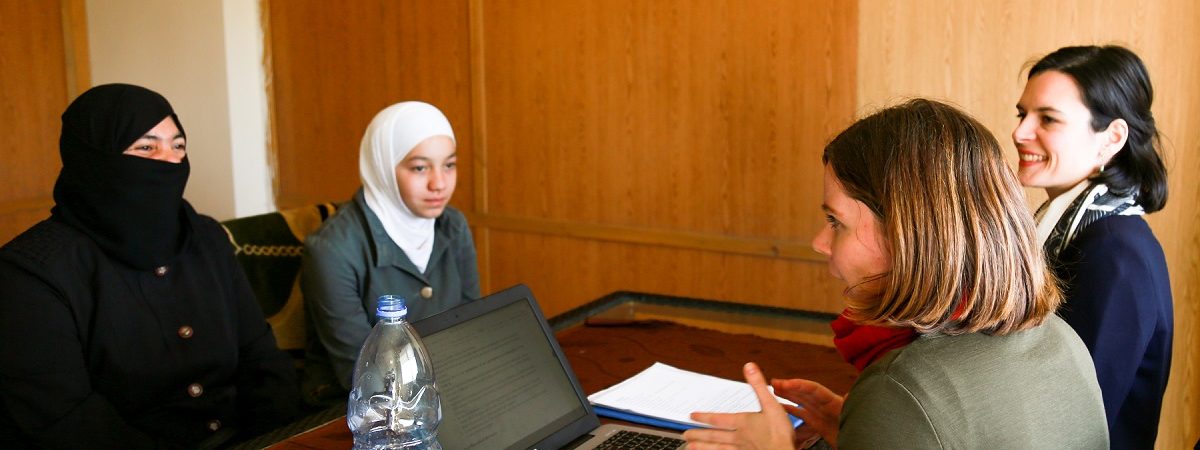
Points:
(75, 41)
(264, 17)
(479, 137)
(746, 246)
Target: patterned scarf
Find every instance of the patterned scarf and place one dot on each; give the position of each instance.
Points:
(1095, 203)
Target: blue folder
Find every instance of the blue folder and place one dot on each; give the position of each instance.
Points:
(627, 416)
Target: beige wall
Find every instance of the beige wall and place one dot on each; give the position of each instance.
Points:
(205, 57)
(249, 130)
(971, 53)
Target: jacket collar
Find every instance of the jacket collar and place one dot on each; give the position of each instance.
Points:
(387, 253)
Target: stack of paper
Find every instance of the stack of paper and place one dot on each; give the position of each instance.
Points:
(665, 396)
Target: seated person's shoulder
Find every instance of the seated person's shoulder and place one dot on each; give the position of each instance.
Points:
(1056, 329)
(207, 226)
(980, 378)
(1120, 235)
(344, 226)
(453, 215)
(47, 243)
(209, 236)
(940, 357)
(453, 220)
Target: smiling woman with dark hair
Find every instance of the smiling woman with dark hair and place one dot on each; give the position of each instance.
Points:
(1088, 137)
(127, 322)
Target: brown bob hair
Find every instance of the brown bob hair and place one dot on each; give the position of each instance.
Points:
(963, 249)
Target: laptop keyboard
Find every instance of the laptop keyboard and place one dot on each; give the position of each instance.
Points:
(629, 440)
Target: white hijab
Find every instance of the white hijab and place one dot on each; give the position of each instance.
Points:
(391, 135)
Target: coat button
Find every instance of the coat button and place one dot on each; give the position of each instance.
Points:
(185, 332)
(161, 271)
(195, 390)
(214, 425)
(426, 292)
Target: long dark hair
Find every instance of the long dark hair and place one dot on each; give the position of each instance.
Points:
(1115, 85)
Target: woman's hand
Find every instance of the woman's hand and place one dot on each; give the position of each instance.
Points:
(819, 407)
(767, 429)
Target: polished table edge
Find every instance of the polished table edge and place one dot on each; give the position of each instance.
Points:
(579, 314)
(300, 426)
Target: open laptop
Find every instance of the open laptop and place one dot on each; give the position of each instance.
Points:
(505, 384)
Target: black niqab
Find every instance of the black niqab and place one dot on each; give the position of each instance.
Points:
(132, 207)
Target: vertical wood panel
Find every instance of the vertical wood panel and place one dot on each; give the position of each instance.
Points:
(33, 93)
(696, 118)
(479, 130)
(699, 116)
(336, 64)
(75, 44)
(972, 53)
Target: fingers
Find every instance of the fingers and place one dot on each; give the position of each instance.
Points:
(793, 389)
(706, 435)
(723, 421)
(710, 439)
(805, 392)
(754, 377)
(710, 446)
(795, 384)
(795, 411)
(809, 417)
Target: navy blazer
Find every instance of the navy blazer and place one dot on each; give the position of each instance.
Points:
(1118, 299)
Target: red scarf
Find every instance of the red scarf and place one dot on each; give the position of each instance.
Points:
(861, 345)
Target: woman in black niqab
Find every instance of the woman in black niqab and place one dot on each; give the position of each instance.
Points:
(127, 320)
(132, 207)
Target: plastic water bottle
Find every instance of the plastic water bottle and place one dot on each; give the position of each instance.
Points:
(394, 403)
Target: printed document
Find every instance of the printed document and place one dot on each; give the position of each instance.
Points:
(672, 394)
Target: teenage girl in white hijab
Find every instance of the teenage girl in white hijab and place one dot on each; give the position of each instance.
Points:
(397, 236)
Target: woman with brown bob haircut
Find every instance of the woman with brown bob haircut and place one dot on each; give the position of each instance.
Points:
(929, 231)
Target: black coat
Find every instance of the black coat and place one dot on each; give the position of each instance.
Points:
(96, 354)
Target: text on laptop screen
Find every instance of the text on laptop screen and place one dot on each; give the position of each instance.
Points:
(501, 384)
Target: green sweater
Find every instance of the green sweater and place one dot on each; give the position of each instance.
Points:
(1032, 389)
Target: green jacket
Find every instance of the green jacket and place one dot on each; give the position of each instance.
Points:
(1032, 389)
(350, 261)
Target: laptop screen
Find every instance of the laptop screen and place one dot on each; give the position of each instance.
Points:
(501, 380)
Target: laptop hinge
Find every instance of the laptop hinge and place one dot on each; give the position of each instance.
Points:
(578, 441)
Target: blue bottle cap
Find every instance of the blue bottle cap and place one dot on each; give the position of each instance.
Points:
(391, 307)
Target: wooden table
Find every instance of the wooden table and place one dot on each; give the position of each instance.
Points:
(611, 340)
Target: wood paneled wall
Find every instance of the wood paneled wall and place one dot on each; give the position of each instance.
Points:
(33, 93)
(673, 146)
(333, 65)
(972, 53)
(670, 119)
(668, 147)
